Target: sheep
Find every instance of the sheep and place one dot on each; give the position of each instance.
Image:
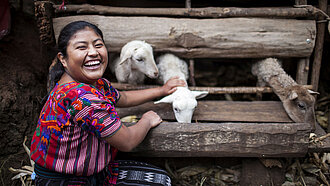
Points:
(297, 101)
(183, 100)
(136, 60)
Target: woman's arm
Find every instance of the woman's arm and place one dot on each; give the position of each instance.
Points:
(137, 97)
(127, 138)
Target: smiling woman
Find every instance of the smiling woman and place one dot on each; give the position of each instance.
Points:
(88, 58)
(79, 131)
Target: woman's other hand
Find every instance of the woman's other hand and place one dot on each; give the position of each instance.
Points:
(128, 138)
(152, 117)
(170, 86)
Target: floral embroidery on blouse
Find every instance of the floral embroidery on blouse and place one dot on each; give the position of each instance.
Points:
(78, 104)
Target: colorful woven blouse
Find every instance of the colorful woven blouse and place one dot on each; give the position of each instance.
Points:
(72, 126)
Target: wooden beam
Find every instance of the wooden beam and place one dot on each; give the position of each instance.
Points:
(218, 111)
(211, 90)
(210, 12)
(225, 140)
(206, 38)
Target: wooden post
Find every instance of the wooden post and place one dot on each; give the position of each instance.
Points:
(192, 72)
(303, 64)
(302, 71)
(191, 61)
(323, 5)
(44, 14)
(188, 4)
(301, 2)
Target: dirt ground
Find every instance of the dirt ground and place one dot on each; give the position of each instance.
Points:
(23, 75)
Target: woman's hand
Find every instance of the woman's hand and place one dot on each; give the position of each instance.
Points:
(127, 138)
(137, 97)
(170, 86)
(152, 117)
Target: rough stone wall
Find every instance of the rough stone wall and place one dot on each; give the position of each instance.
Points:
(22, 83)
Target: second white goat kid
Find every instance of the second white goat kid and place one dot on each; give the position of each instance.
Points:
(183, 100)
(136, 60)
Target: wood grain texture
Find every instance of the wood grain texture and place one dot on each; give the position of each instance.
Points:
(213, 111)
(208, 12)
(206, 38)
(211, 90)
(225, 140)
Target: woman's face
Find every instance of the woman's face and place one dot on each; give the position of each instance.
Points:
(87, 57)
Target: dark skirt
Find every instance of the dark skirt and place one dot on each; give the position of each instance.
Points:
(139, 173)
(130, 173)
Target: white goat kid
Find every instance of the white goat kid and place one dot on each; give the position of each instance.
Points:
(136, 60)
(183, 100)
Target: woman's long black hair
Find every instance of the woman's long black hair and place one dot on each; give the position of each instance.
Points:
(56, 70)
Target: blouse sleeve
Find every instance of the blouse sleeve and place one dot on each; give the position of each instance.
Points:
(109, 91)
(95, 114)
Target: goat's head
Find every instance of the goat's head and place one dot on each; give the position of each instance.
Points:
(299, 102)
(183, 103)
(139, 55)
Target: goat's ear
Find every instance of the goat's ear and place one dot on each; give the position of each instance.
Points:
(292, 95)
(123, 61)
(127, 55)
(200, 94)
(166, 99)
(312, 92)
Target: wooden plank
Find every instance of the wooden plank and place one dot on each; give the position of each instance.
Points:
(206, 38)
(225, 140)
(215, 12)
(216, 111)
(211, 90)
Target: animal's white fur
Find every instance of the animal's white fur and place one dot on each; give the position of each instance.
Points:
(183, 100)
(136, 60)
(169, 66)
(269, 68)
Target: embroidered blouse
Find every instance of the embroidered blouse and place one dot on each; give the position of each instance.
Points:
(72, 126)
